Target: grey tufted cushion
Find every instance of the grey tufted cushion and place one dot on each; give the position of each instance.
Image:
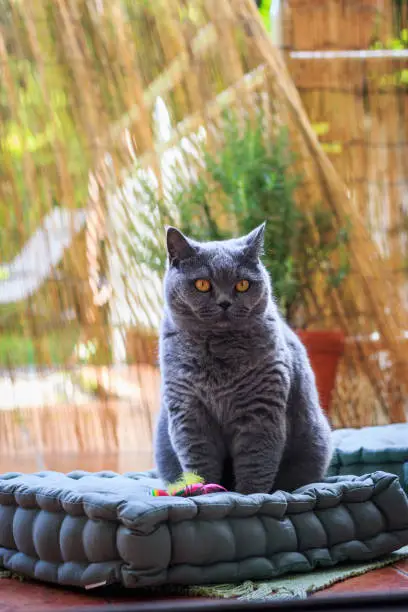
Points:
(83, 529)
(360, 451)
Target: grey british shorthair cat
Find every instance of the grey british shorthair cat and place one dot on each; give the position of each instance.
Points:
(239, 401)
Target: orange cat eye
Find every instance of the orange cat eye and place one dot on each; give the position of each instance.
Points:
(242, 286)
(203, 285)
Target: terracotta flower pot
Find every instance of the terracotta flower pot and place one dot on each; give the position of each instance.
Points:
(325, 349)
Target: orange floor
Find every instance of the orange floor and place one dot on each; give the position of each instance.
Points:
(30, 596)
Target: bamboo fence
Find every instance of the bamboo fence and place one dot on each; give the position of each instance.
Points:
(338, 24)
(80, 82)
(358, 104)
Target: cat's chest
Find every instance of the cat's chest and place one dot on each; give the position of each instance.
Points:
(216, 366)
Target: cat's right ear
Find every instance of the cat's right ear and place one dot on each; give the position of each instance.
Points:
(178, 246)
(255, 241)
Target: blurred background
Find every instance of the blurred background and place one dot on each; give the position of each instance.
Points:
(119, 116)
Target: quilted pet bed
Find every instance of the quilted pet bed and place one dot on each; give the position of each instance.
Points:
(89, 529)
(365, 450)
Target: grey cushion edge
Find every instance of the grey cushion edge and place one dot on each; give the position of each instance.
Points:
(151, 511)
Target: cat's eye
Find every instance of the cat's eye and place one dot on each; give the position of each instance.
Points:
(203, 285)
(242, 286)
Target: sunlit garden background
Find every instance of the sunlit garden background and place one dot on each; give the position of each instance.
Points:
(119, 116)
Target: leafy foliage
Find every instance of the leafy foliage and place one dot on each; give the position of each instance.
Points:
(399, 43)
(395, 44)
(264, 7)
(245, 182)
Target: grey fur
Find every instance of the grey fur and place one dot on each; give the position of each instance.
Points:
(239, 400)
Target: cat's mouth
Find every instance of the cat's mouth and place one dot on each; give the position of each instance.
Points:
(221, 319)
(224, 319)
(223, 322)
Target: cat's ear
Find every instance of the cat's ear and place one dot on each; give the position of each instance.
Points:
(178, 246)
(254, 242)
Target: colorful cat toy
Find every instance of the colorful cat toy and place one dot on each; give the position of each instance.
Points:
(189, 485)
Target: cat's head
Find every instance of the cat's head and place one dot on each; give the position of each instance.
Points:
(216, 285)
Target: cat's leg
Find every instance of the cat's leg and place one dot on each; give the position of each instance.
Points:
(196, 439)
(308, 453)
(300, 471)
(166, 459)
(257, 450)
(259, 431)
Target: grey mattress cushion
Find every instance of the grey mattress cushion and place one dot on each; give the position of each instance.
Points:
(84, 529)
(360, 451)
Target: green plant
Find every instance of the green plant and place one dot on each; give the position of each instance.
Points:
(19, 351)
(394, 44)
(264, 7)
(399, 43)
(245, 182)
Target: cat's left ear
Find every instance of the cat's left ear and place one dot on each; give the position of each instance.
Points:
(178, 246)
(255, 242)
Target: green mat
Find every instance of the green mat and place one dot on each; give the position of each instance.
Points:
(295, 586)
(292, 586)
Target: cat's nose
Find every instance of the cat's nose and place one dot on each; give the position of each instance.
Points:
(225, 304)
